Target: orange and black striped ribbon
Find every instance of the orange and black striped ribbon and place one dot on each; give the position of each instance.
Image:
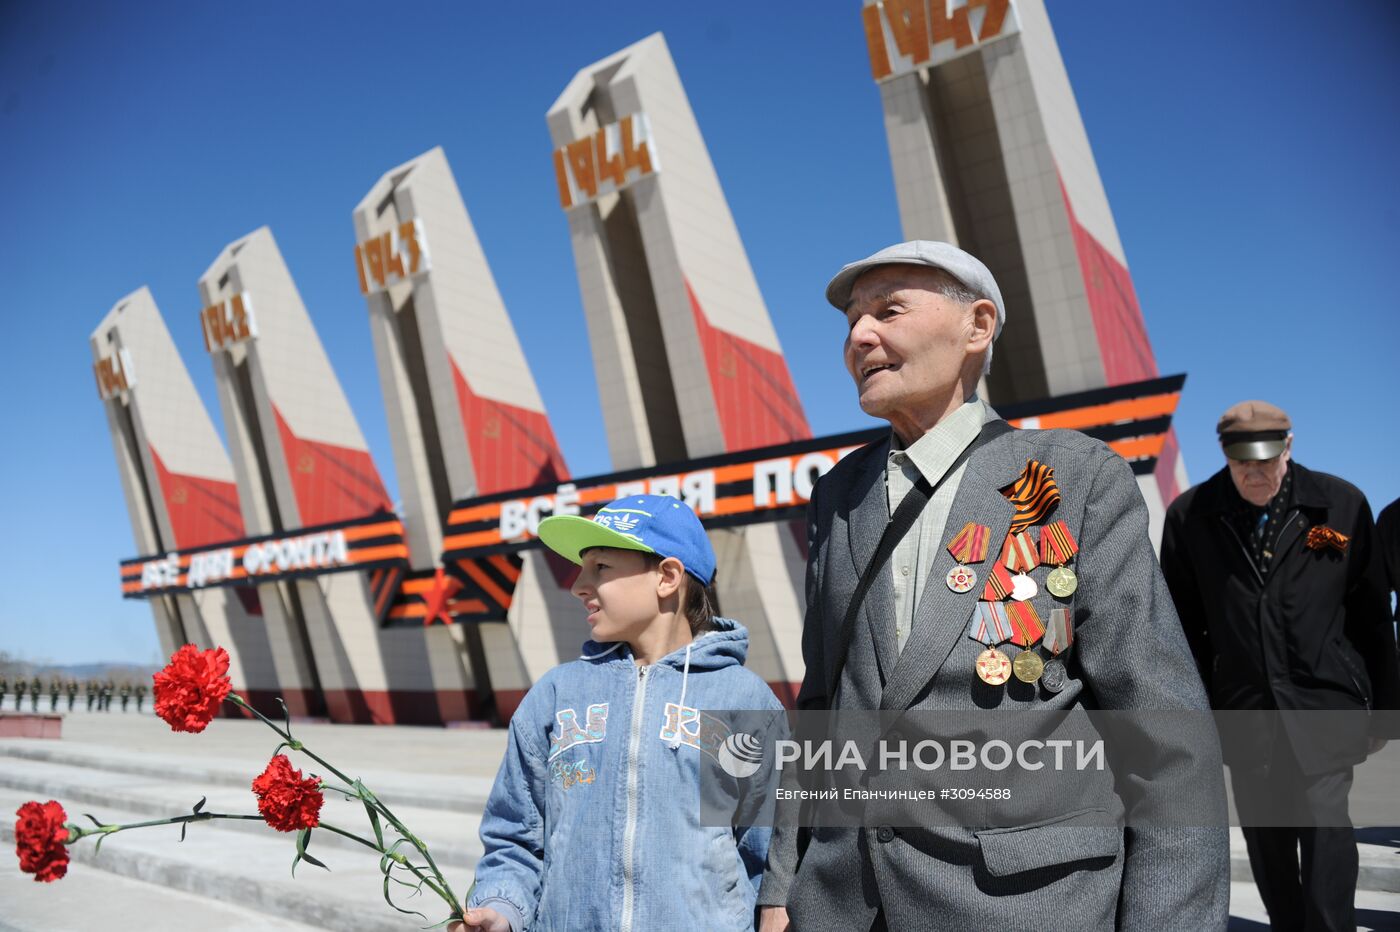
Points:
(1034, 495)
(970, 544)
(1323, 536)
(1057, 544)
(999, 584)
(1025, 623)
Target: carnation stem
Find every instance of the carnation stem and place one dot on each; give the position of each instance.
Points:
(77, 832)
(445, 891)
(417, 871)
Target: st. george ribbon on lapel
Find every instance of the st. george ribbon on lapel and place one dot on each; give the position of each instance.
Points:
(942, 617)
(1034, 495)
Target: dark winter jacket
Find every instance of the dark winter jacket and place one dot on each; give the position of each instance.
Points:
(1311, 633)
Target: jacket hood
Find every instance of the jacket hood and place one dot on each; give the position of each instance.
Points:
(726, 645)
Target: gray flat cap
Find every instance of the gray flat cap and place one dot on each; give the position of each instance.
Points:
(963, 266)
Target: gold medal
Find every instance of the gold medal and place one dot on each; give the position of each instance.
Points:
(1028, 666)
(993, 667)
(962, 578)
(1062, 582)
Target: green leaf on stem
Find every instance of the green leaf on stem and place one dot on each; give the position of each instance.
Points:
(388, 899)
(287, 716)
(200, 805)
(93, 819)
(389, 855)
(303, 839)
(370, 811)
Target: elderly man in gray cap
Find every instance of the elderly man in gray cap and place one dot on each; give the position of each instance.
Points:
(936, 622)
(1278, 579)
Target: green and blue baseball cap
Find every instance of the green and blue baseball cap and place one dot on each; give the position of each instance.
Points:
(656, 524)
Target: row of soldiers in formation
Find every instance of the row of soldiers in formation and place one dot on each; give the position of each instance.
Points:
(99, 693)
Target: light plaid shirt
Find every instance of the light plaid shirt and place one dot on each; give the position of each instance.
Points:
(930, 456)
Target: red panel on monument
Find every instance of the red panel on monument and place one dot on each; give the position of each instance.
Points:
(511, 447)
(1123, 344)
(331, 483)
(1166, 468)
(202, 511)
(754, 395)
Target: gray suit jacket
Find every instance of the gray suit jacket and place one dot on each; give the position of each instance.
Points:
(1129, 653)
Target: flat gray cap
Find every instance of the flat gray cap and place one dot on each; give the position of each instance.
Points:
(963, 266)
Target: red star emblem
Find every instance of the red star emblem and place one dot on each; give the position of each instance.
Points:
(438, 597)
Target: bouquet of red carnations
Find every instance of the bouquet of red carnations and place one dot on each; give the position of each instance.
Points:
(188, 693)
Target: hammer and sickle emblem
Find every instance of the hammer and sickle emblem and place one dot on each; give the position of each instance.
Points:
(305, 463)
(492, 429)
(180, 495)
(728, 364)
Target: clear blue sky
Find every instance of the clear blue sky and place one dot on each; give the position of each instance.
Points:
(1248, 150)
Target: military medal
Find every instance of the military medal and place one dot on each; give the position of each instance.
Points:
(968, 546)
(1062, 582)
(1028, 666)
(1020, 556)
(1059, 635)
(962, 578)
(1026, 626)
(993, 667)
(1058, 547)
(999, 583)
(990, 625)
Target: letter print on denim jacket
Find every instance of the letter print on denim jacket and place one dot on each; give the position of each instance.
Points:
(571, 735)
(694, 728)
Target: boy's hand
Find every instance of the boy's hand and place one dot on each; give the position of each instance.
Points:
(484, 919)
(773, 919)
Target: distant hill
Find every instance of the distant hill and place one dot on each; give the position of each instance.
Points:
(11, 668)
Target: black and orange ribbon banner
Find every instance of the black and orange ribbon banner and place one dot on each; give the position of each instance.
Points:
(370, 543)
(482, 537)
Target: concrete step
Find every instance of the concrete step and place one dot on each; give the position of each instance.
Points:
(238, 868)
(429, 791)
(73, 903)
(451, 836)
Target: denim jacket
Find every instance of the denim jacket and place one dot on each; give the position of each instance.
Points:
(594, 819)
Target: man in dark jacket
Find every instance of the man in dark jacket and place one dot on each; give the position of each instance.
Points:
(1278, 582)
(1388, 539)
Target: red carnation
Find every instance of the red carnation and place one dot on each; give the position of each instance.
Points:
(188, 691)
(286, 800)
(39, 840)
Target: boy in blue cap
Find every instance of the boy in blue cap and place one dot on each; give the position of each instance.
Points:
(594, 819)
